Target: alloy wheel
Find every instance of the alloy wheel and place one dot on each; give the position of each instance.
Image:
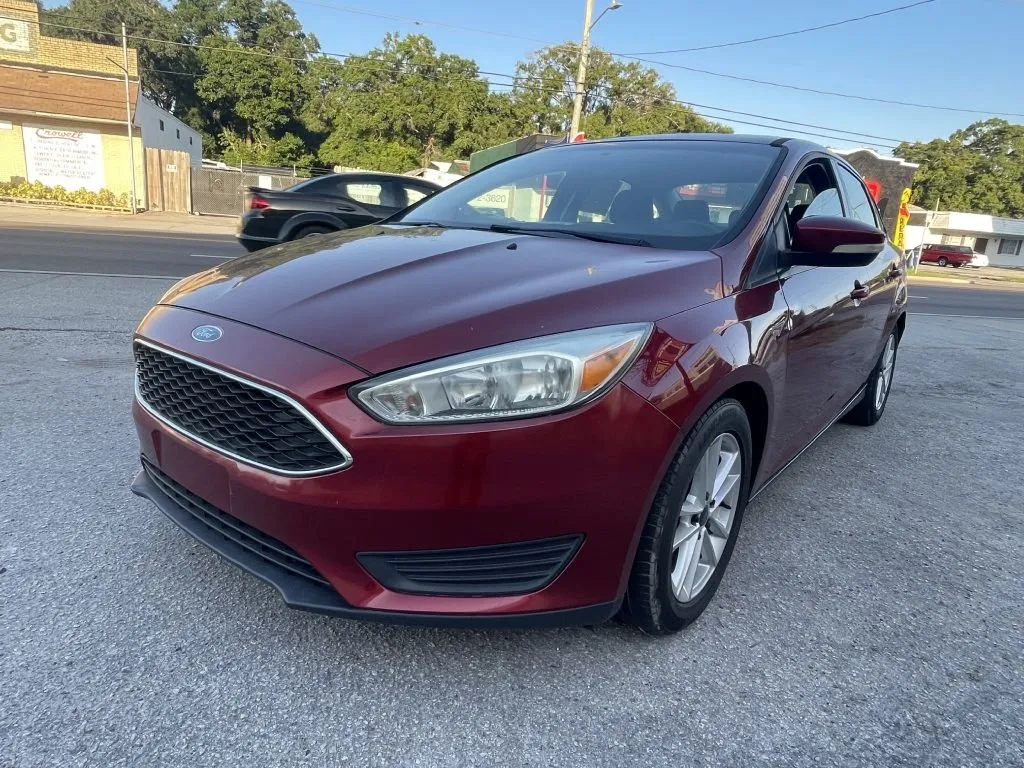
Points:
(885, 372)
(706, 517)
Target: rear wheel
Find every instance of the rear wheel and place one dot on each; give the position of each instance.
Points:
(312, 229)
(692, 527)
(870, 407)
(943, 261)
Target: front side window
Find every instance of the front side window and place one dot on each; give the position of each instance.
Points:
(668, 193)
(860, 206)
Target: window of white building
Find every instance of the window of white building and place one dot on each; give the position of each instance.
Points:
(1009, 247)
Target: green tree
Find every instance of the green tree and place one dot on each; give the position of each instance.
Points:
(404, 104)
(253, 83)
(621, 98)
(979, 169)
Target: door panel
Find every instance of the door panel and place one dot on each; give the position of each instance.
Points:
(820, 358)
(880, 279)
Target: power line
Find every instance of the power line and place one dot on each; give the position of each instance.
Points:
(654, 62)
(238, 49)
(794, 122)
(491, 83)
(791, 33)
(822, 92)
(419, 22)
(366, 61)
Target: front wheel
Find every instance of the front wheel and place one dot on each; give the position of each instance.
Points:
(943, 261)
(870, 407)
(692, 527)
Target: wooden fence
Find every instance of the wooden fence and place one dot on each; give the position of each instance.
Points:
(169, 180)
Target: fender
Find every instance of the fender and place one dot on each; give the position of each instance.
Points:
(694, 358)
(311, 217)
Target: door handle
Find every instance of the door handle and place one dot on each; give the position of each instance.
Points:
(346, 208)
(859, 292)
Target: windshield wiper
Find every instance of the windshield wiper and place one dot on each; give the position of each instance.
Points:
(554, 232)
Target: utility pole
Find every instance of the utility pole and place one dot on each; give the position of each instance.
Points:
(581, 72)
(128, 110)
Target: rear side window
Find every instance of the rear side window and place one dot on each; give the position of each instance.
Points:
(364, 192)
(860, 207)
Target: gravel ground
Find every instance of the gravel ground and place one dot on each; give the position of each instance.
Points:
(872, 614)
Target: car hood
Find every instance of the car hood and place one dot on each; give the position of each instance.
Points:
(383, 297)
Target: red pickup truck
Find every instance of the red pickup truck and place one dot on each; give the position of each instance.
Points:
(947, 255)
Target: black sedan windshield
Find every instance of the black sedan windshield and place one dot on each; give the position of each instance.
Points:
(663, 193)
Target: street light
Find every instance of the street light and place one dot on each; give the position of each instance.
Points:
(613, 6)
(581, 71)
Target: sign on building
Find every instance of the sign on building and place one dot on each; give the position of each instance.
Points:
(59, 157)
(14, 36)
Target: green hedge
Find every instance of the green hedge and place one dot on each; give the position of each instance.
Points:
(23, 190)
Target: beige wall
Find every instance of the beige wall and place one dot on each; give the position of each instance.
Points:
(113, 140)
(12, 148)
(57, 52)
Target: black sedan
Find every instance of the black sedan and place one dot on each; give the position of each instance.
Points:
(326, 204)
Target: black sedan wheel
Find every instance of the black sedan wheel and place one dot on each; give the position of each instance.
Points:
(314, 229)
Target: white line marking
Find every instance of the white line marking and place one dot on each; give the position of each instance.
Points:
(973, 317)
(121, 234)
(89, 274)
(919, 297)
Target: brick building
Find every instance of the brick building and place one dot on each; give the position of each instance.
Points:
(62, 109)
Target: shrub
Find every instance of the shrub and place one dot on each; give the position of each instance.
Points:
(24, 190)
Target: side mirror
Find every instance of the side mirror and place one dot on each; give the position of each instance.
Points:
(833, 241)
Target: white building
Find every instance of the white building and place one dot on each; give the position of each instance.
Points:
(1002, 240)
(162, 130)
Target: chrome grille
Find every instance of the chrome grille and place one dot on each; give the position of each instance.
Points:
(238, 418)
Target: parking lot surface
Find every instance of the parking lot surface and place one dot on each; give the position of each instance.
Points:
(872, 614)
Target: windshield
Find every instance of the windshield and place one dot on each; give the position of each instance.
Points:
(669, 194)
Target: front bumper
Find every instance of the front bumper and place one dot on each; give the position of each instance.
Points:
(589, 473)
(304, 594)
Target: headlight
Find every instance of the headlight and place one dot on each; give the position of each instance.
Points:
(524, 378)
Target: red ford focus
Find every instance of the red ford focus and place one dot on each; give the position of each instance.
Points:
(539, 397)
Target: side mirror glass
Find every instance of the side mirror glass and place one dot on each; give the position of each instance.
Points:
(834, 241)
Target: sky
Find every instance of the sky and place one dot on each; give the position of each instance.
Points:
(955, 53)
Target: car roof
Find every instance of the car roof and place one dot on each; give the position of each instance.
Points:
(379, 175)
(740, 138)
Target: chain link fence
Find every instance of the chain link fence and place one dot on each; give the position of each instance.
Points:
(221, 191)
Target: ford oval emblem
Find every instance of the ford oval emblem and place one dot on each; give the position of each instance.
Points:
(207, 333)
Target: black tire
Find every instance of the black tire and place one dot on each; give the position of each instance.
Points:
(867, 412)
(310, 230)
(650, 602)
(957, 266)
(943, 261)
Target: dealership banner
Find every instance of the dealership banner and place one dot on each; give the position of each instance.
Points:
(66, 158)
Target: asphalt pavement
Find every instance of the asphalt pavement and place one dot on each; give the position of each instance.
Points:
(871, 615)
(966, 300)
(102, 252)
